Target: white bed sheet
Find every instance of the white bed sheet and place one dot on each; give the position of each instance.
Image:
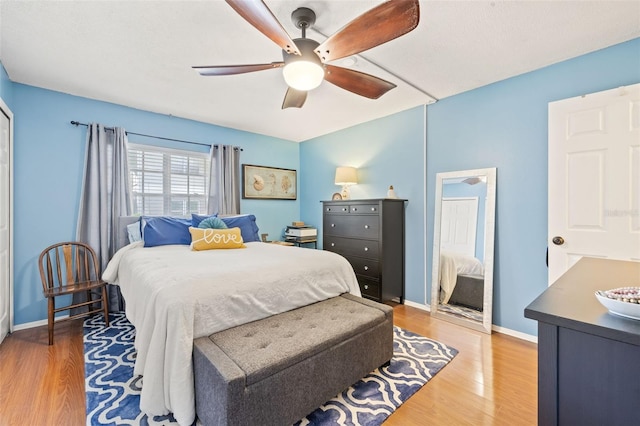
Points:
(174, 295)
(454, 264)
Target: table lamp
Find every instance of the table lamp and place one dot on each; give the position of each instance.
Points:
(346, 176)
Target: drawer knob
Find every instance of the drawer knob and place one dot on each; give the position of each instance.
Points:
(366, 268)
(366, 249)
(328, 209)
(366, 227)
(355, 209)
(333, 225)
(333, 244)
(366, 287)
(373, 209)
(344, 209)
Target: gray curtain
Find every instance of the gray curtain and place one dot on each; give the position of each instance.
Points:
(105, 196)
(224, 180)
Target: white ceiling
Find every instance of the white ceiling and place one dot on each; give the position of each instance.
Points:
(140, 53)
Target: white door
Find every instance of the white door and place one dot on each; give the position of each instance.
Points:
(6, 219)
(459, 221)
(594, 178)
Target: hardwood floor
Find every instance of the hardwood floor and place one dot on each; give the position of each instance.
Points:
(43, 385)
(492, 381)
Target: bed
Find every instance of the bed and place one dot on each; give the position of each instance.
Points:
(174, 295)
(461, 280)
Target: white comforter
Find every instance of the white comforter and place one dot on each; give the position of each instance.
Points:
(174, 295)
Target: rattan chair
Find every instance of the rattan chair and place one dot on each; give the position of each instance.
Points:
(68, 268)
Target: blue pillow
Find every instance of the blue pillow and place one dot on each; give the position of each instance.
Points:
(247, 224)
(212, 222)
(164, 230)
(197, 218)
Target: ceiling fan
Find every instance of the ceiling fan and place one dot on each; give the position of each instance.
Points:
(305, 60)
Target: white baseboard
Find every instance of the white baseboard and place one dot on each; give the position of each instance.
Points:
(34, 324)
(514, 333)
(496, 328)
(417, 305)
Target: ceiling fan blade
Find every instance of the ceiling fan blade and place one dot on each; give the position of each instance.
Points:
(258, 14)
(357, 82)
(377, 26)
(294, 98)
(235, 69)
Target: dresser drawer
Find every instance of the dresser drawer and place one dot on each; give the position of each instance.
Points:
(355, 247)
(337, 209)
(356, 226)
(366, 267)
(352, 208)
(369, 288)
(364, 209)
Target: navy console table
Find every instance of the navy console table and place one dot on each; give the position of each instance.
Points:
(588, 358)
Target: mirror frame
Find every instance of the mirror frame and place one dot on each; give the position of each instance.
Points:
(490, 205)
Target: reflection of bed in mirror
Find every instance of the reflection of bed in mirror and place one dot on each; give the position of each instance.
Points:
(462, 280)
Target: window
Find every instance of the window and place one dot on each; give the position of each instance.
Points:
(167, 181)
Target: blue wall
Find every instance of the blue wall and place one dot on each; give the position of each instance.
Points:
(387, 151)
(49, 157)
(504, 125)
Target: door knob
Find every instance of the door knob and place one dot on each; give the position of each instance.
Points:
(558, 241)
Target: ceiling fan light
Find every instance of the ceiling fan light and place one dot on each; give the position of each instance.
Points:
(303, 75)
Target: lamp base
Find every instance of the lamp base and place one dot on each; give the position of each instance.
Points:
(345, 192)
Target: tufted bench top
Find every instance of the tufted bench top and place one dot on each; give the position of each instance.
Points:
(265, 347)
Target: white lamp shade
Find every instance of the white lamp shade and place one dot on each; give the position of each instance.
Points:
(346, 176)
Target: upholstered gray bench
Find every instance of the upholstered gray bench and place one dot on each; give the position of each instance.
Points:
(277, 370)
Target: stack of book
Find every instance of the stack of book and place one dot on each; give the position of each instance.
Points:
(301, 234)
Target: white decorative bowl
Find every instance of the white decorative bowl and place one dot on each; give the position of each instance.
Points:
(618, 307)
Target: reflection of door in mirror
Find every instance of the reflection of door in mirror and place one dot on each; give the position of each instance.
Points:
(463, 250)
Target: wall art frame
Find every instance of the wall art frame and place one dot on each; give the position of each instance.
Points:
(269, 183)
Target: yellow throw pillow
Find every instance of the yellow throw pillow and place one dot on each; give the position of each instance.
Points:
(209, 238)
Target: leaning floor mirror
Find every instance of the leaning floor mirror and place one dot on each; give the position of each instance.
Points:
(464, 223)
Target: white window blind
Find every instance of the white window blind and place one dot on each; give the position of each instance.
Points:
(167, 181)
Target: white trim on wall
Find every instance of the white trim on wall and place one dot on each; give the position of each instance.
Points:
(496, 328)
(34, 324)
(424, 206)
(6, 111)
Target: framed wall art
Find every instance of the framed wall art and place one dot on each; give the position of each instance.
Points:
(270, 183)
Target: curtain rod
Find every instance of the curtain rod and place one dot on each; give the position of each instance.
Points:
(77, 123)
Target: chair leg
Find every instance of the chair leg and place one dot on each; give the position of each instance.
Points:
(90, 298)
(50, 318)
(105, 305)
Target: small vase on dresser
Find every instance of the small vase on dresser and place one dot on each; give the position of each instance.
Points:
(370, 235)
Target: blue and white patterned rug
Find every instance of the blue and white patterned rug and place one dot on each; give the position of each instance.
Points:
(113, 394)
